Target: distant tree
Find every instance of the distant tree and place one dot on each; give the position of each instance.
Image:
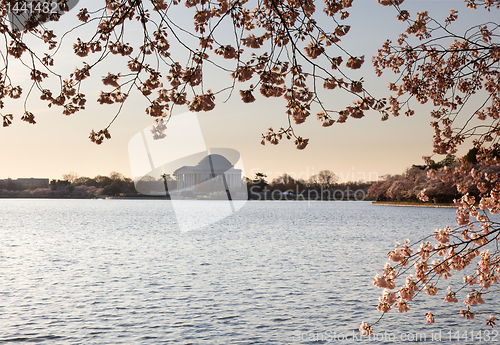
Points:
(85, 181)
(447, 161)
(116, 184)
(148, 184)
(409, 185)
(113, 189)
(325, 178)
(42, 192)
(117, 176)
(379, 188)
(12, 185)
(83, 191)
(323, 182)
(61, 187)
(398, 189)
(259, 182)
(102, 181)
(71, 176)
(286, 182)
(80, 181)
(471, 155)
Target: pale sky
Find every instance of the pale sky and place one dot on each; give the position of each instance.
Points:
(358, 149)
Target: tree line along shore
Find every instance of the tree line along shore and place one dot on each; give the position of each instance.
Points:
(400, 189)
(323, 186)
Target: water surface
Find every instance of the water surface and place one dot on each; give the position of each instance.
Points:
(121, 272)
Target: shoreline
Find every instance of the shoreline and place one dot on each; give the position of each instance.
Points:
(411, 204)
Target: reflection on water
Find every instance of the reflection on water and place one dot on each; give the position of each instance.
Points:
(120, 272)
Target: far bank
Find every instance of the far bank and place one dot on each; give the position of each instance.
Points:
(412, 204)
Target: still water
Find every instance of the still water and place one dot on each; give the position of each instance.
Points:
(121, 272)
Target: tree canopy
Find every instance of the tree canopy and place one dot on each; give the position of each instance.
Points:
(275, 48)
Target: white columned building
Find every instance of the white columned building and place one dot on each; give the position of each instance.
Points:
(213, 167)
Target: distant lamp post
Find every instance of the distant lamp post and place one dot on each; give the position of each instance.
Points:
(164, 176)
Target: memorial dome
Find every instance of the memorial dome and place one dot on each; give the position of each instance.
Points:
(215, 162)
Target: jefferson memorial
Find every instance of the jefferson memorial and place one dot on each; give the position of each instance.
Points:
(214, 167)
